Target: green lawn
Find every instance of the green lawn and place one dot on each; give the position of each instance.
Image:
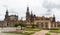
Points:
(14, 32)
(55, 31)
(32, 29)
(20, 33)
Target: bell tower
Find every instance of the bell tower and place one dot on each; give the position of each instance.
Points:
(27, 15)
(53, 18)
(31, 17)
(6, 16)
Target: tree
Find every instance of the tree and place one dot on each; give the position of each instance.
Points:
(22, 24)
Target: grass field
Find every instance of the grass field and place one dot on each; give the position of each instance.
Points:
(32, 29)
(20, 33)
(55, 31)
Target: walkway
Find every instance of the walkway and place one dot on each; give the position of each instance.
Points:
(55, 33)
(43, 32)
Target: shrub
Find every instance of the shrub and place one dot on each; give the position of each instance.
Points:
(22, 24)
(47, 34)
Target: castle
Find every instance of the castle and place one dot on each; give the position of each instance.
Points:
(42, 22)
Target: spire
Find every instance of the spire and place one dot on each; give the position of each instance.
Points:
(53, 15)
(31, 13)
(7, 12)
(6, 16)
(27, 13)
(53, 18)
(27, 6)
(32, 17)
(27, 9)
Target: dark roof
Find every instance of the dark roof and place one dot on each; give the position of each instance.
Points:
(13, 15)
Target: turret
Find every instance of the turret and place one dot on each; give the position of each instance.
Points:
(31, 17)
(53, 18)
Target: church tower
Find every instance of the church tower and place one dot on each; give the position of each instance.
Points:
(6, 16)
(31, 17)
(53, 18)
(27, 15)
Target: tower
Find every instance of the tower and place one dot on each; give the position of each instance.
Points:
(31, 17)
(6, 16)
(27, 15)
(53, 18)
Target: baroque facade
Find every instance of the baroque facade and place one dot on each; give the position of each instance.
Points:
(42, 22)
(9, 20)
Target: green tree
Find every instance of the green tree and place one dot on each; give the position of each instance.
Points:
(22, 24)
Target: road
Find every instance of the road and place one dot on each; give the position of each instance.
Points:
(43, 32)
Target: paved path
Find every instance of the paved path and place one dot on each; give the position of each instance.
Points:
(43, 32)
(55, 33)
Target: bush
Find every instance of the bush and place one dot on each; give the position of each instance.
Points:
(22, 24)
(47, 34)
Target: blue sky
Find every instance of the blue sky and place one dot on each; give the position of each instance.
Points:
(38, 7)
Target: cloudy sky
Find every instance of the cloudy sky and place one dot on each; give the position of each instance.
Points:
(38, 7)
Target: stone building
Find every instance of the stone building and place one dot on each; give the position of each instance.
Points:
(9, 20)
(42, 22)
